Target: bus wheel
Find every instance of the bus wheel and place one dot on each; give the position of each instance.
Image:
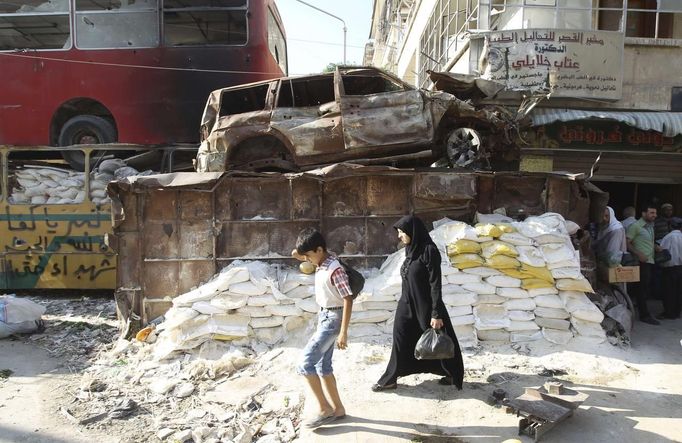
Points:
(84, 130)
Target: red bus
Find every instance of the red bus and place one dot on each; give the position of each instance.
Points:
(127, 71)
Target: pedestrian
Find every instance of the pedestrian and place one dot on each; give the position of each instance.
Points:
(672, 273)
(611, 243)
(628, 216)
(333, 295)
(664, 221)
(640, 240)
(420, 307)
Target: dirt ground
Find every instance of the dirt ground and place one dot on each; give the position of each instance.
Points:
(635, 394)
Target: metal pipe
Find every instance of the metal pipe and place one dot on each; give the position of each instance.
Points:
(338, 18)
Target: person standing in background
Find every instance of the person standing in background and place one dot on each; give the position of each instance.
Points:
(640, 242)
(672, 274)
(628, 217)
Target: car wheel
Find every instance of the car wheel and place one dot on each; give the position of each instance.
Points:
(462, 147)
(85, 130)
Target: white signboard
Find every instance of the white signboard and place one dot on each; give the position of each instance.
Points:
(580, 63)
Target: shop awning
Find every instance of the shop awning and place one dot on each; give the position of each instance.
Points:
(667, 123)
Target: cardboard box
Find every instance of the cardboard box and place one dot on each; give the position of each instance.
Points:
(624, 274)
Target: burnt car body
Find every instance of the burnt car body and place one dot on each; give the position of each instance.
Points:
(351, 114)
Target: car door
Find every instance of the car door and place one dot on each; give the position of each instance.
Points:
(307, 114)
(378, 110)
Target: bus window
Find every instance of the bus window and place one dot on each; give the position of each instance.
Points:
(242, 100)
(276, 42)
(112, 24)
(205, 22)
(38, 184)
(34, 24)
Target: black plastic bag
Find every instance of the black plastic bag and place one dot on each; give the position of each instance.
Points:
(434, 344)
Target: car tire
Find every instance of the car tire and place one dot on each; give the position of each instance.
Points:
(462, 148)
(84, 129)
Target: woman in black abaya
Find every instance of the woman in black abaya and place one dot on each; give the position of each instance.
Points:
(420, 307)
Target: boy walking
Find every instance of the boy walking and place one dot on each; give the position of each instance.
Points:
(333, 295)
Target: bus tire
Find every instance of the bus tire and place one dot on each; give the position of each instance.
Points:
(84, 130)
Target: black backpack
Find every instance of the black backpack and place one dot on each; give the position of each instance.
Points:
(355, 279)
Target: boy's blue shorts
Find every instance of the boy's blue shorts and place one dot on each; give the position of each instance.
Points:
(317, 355)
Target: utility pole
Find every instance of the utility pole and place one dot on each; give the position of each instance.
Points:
(338, 18)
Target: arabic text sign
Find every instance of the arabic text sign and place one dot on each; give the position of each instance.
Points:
(586, 63)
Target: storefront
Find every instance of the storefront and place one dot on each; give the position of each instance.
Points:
(635, 156)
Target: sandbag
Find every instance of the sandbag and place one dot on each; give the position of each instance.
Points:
(502, 281)
(556, 336)
(460, 299)
(493, 335)
(488, 230)
(496, 247)
(520, 304)
(512, 293)
(517, 239)
(571, 284)
(452, 289)
(588, 328)
(464, 261)
(581, 307)
(537, 272)
(490, 317)
(461, 278)
(479, 288)
(457, 311)
(462, 320)
(542, 291)
(554, 253)
(549, 301)
(490, 299)
(551, 313)
(521, 315)
(553, 323)
(521, 336)
(502, 262)
(19, 315)
(522, 326)
(535, 283)
(482, 271)
(572, 272)
(463, 246)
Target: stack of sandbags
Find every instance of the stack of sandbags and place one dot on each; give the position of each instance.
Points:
(586, 317)
(50, 185)
(47, 185)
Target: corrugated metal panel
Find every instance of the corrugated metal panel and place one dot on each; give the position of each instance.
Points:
(667, 123)
(650, 168)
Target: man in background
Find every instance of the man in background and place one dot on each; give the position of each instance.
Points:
(663, 223)
(628, 217)
(672, 273)
(640, 242)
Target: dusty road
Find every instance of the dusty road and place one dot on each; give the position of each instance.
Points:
(635, 395)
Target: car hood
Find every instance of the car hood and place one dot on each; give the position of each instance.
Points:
(465, 87)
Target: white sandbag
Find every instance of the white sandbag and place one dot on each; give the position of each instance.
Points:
(512, 293)
(466, 336)
(482, 271)
(288, 285)
(253, 311)
(456, 311)
(270, 336)
(364, 330)
(493, 335)
(109, 166)
(490, 299)
(581, 307)
(373, 316)
(517, 239)
(452, 289)
(266, 322)
(227, 302)
(572, 272)
(542, 291)
(523, 336)
(493, 218)
(490, 317)
(462, 278)
(80, 197)
(451, 232)
(502, 281)
(52, 200)
(531, 256)
(521, 315)
(246, 288)
(520, 304)
(261, 300)
(302, 291)
(554, 253)
(549, 301)
(480, 288)
(522, 326)
(308, 305)
(588, 328)
(551, 313)
(98, 193)
(299, 277)
(553, 323)
(389, 290)
(38, 200)
(571, 284)
(460, 299)
(380, 305)
(175, 317)
(18, 310)
(205, 307)
(556, 336)
(462, 320)
(34, 191)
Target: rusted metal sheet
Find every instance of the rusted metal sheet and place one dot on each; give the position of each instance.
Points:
(174, 231)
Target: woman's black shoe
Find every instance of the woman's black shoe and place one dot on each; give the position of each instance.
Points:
(446, 381)
(378, 388)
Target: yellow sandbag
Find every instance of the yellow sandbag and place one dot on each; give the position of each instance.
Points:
(513, 272)
(496, 247)
(488, 230)
(506, 228)
(465, 261)
(502, 262)
(535, 283)
(571, 284)
(537, 272)
(464, 247)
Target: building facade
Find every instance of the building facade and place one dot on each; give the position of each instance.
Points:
(610, 69)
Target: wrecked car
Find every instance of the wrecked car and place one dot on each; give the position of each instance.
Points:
(361, 114)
